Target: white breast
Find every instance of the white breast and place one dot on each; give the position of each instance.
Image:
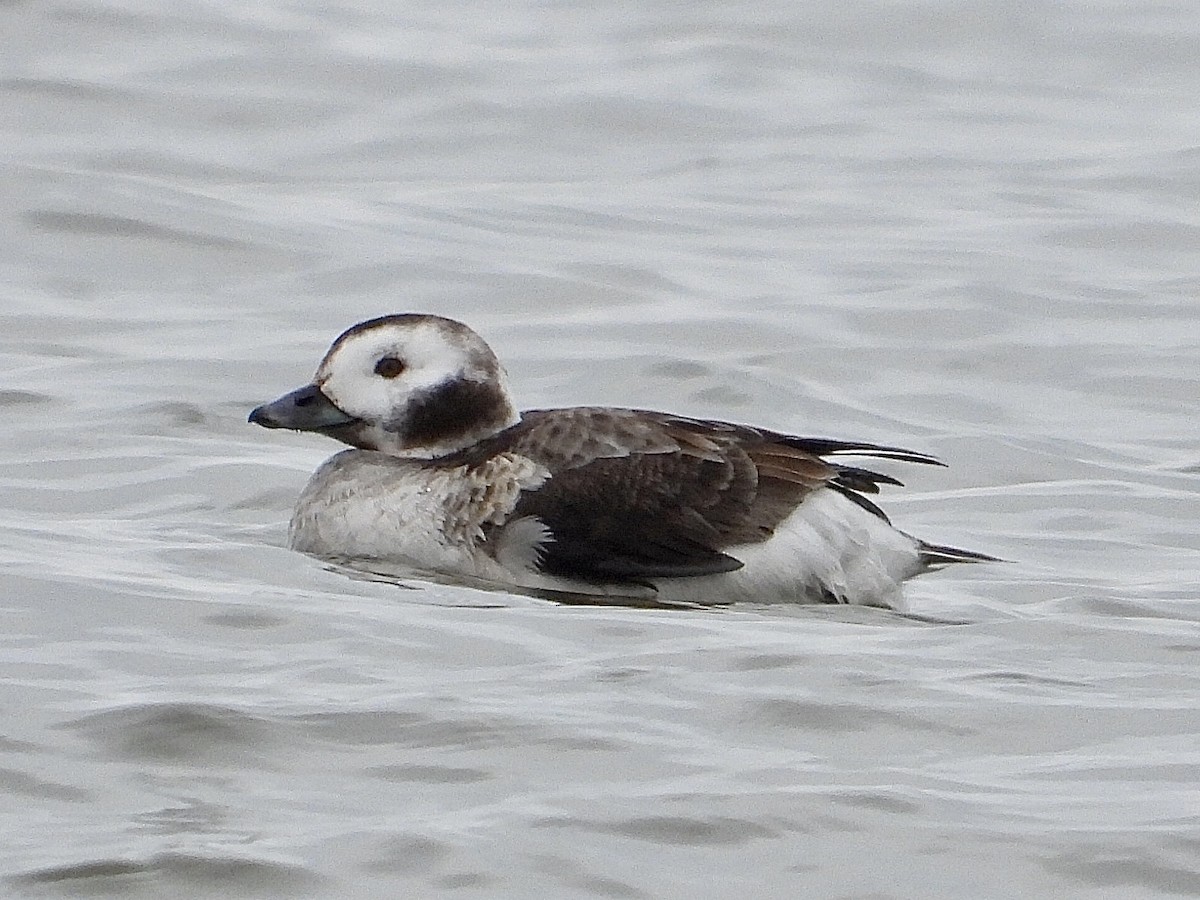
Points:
(365, 505)
(362, 505)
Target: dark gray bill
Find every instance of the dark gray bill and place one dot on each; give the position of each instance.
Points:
(306, 409)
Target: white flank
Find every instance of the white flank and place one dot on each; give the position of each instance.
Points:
(830, 548)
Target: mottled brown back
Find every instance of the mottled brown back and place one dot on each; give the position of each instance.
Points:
(634, 494)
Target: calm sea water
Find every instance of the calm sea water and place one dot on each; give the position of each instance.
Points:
(971, 228)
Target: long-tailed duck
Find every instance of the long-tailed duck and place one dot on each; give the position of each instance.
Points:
(447, 476)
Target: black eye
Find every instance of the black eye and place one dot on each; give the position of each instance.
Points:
(389, 367)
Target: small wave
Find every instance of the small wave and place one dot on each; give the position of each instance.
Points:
(178, 732)
(169, 873)
(689, 831)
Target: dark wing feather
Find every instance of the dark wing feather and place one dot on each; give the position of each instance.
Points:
(635, 494)
(634, 497)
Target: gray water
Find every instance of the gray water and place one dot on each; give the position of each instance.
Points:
(970, 228)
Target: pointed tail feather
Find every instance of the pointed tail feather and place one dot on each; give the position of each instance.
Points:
(934, 555)
(828, 447)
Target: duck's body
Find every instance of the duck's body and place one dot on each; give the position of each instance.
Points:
(448, 477)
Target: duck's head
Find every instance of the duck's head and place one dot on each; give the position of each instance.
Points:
(409, 385)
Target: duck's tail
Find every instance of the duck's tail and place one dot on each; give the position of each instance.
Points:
(935, 555)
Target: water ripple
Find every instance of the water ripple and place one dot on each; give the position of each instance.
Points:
(170, 874)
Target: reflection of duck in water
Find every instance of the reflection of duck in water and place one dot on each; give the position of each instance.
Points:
(448, 476)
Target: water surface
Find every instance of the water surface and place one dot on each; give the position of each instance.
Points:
(963, 227)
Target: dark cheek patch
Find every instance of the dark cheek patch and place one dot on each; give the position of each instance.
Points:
(449, 411)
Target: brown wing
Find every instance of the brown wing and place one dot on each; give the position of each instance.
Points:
(635, 494)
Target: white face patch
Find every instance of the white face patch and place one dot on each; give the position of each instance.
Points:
(375, 373)
(430, 355)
